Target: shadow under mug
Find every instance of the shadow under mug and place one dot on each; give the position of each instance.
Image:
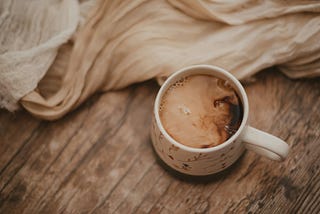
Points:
(206, 161)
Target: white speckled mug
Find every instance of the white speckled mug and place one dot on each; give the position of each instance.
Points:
(206, 161)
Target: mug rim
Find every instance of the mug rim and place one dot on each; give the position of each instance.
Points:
(243, 94)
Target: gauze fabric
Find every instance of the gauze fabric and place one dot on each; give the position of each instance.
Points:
(125, 42)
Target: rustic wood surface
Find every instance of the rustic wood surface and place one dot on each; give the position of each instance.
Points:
(99, 158)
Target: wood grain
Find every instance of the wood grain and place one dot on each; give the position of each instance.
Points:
(99, 158)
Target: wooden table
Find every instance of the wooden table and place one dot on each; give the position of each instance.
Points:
(99, 158)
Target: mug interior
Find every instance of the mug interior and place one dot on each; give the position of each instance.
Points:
(203, 70)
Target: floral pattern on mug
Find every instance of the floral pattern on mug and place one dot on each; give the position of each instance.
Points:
(200, 163)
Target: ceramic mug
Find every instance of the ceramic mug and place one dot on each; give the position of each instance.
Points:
(206, 161)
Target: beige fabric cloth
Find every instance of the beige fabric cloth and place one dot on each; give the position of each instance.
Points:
(124, 42)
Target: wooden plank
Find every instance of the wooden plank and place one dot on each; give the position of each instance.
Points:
(99, 158)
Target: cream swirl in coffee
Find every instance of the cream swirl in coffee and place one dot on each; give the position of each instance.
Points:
(200, 111)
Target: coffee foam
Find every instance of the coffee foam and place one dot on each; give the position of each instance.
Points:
(200, 111)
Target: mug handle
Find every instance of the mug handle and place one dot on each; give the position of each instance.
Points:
(265, 144)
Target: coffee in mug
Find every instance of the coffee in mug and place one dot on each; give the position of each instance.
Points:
(201, 111)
